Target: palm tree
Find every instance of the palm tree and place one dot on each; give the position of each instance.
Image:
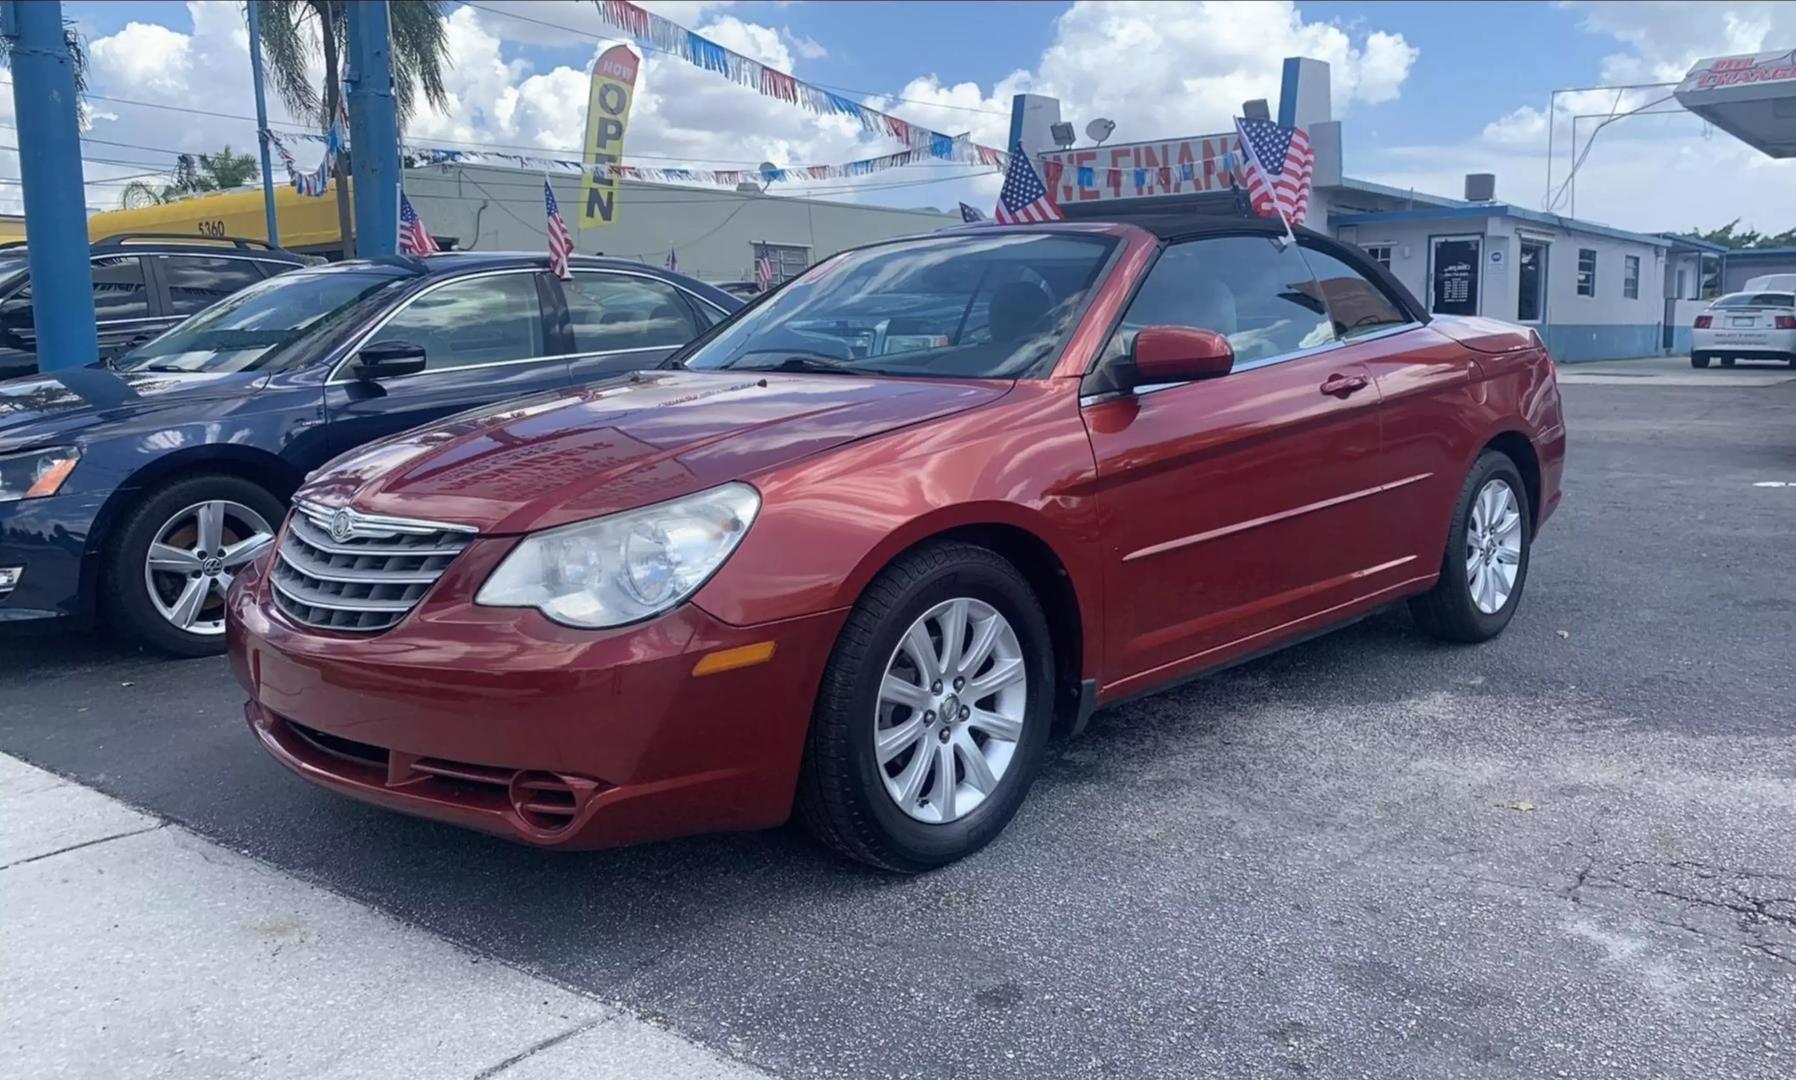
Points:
(194, 173)
(294, 31)
(77, 55)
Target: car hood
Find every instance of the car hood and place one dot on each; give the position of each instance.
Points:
(65, 403)
(554, 458)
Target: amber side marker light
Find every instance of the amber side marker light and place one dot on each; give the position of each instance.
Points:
(51, 481)
(730, 659)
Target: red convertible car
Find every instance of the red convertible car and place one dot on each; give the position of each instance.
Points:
(861, 549)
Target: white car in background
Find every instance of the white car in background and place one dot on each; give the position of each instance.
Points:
(1751, 325)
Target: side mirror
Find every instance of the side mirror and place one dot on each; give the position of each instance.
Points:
(388, 360)
(1170, 354)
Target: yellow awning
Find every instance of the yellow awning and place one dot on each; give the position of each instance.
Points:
(305, 222)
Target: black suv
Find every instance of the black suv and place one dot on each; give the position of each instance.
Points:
(144, 283)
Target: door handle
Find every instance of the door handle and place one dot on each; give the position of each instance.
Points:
(1338, 385)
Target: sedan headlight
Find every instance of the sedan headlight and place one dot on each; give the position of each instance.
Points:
(618, 569)
(37, 473)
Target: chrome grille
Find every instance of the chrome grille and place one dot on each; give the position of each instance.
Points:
(339, 569)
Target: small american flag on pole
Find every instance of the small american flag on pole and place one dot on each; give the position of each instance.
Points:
(1279, 169)
(561, 241)
(763, 268)
(414, 239)
(1024, 198)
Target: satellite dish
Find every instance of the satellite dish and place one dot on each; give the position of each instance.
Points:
(1100, 129)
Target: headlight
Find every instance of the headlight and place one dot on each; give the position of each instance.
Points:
(618, 569)
(36, 474)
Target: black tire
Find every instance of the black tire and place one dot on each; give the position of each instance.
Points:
(841, 799)
(125, 599)
(1727, 361)
(1446, 611)
(1699, 360)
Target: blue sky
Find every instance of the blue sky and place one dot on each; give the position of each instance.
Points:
(1428, 90)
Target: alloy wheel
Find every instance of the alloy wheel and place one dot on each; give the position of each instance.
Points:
(196, 555)
(951, 709)
(1493, 540)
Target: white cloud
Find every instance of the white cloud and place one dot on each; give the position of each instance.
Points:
(1644, 172)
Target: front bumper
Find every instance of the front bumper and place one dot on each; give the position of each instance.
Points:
(503, 721)
(46, 539)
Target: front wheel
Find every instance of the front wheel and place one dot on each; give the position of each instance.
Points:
(175, 554)
(1727, 361)
(933, 714)
(1486, 561)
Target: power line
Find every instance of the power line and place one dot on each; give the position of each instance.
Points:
(285, 127)
(670, 52)
(702, 196)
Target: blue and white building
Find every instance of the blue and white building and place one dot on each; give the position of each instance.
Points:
(1593, 291)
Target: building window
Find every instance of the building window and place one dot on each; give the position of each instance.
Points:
(1379, 253)
(1630, 277)
(789, 260)
(1586, 271)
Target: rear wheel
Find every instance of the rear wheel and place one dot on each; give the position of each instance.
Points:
(177, 552)
(1486, 561)
(1699, 360)
(933, 714)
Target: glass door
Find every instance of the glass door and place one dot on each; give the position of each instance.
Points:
(1454, 262)
(1531, 282)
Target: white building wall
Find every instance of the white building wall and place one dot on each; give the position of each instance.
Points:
(1608, 325)
(713, 232)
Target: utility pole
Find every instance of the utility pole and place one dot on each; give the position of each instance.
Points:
(43, 93)
(255, 70)
(374, 127)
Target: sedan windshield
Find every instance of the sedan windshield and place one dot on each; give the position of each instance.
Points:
(266, 326)
(963, 306)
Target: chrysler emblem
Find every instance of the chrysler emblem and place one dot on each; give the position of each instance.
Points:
(342, 526)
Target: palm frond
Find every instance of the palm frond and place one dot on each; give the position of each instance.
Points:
(289, 35)
(419, 56)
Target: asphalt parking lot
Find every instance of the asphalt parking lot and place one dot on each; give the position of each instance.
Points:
(1571, 851)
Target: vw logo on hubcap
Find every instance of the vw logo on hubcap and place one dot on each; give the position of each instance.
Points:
(342, 526)
(212, 567)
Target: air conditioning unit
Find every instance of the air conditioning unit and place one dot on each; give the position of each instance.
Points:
(1480, 187)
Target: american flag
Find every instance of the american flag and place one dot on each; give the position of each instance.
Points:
(561, 241)
(1024, 198)
(1279, 169)
(970, 214)
(414, 239)
(763, 268)
(673, 261)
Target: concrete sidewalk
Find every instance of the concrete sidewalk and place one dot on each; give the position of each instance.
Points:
(130, 947)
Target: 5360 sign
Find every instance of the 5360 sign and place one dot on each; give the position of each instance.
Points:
(212, 228)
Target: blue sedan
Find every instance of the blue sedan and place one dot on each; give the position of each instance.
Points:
(133, 492)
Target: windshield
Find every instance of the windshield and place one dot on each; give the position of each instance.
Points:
(963, 306)
(258, 328)
(1757, 299)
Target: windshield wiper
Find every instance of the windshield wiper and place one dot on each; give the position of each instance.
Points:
(801, 363)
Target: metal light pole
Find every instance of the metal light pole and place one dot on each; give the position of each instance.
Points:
(43, 93)
(374, 128)
(255, 68)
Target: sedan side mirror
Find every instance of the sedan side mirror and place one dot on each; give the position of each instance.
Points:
(1171, 354)
(388, 360)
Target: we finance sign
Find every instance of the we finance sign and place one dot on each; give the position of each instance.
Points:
(1186, 166)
